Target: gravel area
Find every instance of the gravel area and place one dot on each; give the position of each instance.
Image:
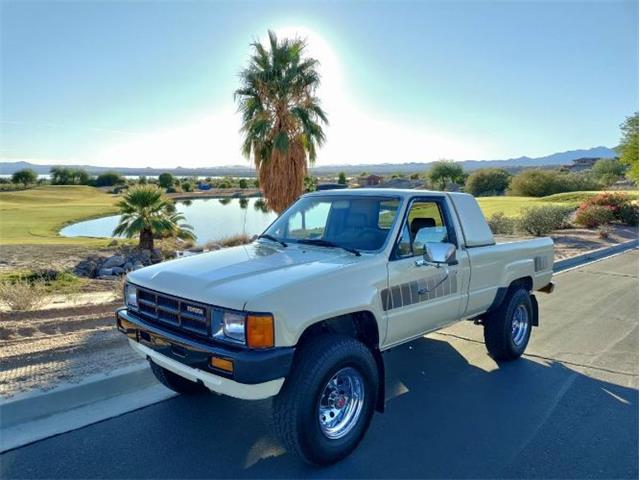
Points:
(41, 350)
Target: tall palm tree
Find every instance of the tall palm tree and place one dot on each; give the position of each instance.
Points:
(281, 116)
(147, 212)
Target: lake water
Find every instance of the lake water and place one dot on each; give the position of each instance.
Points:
(211, 218)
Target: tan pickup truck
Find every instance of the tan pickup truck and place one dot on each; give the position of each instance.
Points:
(305, 312)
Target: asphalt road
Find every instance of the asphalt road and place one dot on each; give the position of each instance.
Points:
(568, 409)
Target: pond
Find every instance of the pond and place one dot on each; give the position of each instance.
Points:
(211, 218)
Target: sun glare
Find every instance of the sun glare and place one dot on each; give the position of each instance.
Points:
(356, 134)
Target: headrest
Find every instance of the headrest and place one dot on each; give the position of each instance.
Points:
(418, 223)
(356, 220)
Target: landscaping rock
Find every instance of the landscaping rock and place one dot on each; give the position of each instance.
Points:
(86, 268)
(105, 272)
(114, 261)
(117, 271)
(137, 265)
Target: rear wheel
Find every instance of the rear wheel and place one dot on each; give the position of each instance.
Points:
(176, 382)
(507, 330)
(327, 401)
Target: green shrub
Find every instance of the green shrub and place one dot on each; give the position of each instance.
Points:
(165, 180)
(187, 187)
(487, 181)
(540, 183)
(629, 214)
(592, 216)
(500, 224)
(109, 179)
(608, 170)
(242, 183)
(542, 220)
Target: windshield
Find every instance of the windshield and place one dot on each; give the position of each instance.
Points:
(356, 222)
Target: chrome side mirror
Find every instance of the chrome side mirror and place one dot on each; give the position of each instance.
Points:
(438, 254)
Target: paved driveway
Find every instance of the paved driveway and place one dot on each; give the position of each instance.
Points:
(567, 409)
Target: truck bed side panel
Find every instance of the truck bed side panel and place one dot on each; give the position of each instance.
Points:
(498, 265)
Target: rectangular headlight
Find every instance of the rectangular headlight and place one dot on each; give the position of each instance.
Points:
(233, 326)
(130, 295)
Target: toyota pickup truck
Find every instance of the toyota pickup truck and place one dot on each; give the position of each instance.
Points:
(305, 312)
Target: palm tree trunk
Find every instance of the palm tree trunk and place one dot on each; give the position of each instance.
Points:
(146, 239)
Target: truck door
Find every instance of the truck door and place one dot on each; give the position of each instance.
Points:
(421, 298)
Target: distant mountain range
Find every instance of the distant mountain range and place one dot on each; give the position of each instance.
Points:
(556, 159)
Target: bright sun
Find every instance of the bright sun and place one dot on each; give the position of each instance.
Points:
(356, 133)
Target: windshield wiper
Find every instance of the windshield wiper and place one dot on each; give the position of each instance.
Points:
(327, 243)
(272, 238)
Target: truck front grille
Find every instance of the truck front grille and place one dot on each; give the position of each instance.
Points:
(163, 309)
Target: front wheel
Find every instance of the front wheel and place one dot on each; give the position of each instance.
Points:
(507, 329)
(327, 401)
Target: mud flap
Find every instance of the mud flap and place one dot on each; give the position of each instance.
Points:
(534, 308)
(381, 380)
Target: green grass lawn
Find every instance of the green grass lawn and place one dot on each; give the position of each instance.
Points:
(35, 216)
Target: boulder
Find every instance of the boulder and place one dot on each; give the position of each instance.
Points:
(128, 266)
(114, 261)
(137, 265)
(105, 272)
(117, 271)
(86, 268)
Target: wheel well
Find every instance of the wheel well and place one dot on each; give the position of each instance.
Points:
(361, 325)
(524, 282)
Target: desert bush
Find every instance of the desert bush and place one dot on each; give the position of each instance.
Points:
(540, 183)
(603, 232)
(592, 216)
(487, 181)
(109, 179)
(618, 206)
(22, 294)
(629, 214)
(543, 219)
(500, 224)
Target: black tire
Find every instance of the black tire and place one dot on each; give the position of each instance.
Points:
(295, 409)
(176, 382)
(498, 328)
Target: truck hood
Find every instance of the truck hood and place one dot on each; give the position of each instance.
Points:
(232, 276)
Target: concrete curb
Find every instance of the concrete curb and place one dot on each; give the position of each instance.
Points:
(593, 256)
(35, 416)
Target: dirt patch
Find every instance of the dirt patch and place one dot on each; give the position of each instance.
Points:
(39, 257)
(42, 349)
(576, 241)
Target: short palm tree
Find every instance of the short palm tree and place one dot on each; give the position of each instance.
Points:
(281, 117)
(147, 212)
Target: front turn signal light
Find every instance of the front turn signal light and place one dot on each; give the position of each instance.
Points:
(260, 332)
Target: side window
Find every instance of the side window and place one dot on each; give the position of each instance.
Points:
(425, 224)
(387, 212)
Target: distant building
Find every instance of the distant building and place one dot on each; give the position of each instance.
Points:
(581, 164)
(369, 180)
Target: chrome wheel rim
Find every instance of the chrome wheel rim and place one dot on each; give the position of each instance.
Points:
(341, 403)
(519, 325)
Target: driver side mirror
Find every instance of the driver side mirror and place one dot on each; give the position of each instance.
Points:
(439, 253)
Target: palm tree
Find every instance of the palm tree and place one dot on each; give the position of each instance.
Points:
(281, 117)
(147, 212)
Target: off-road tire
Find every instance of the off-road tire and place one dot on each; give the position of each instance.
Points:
(176, 382)
(498, 336)
(295, 409)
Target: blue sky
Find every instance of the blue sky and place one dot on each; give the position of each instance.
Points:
(151, 83)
